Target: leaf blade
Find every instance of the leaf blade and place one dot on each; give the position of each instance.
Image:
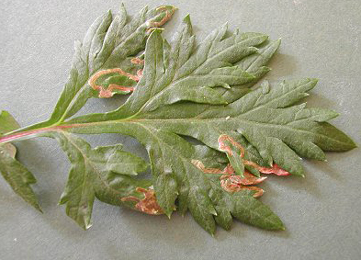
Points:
(96, 173)
(15, 174)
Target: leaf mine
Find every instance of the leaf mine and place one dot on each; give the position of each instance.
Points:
(231, 182)
(107, 93)
(148, 204)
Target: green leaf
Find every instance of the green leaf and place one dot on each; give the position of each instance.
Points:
(206, 92)
(181, 71)
(7, 122)
(18, 177)
(243, 207)
(266, 119)
(111, 42)
(269, 126)
(101, 172)
(233, 153)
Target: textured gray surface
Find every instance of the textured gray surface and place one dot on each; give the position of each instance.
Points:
(322, 212)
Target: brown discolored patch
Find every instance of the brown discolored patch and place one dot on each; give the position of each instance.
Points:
(148, 204)
(231, 182)
(201, 166)
(234, 183)
(107, 93)
(169, 11)
(137, 61)
(226, 148)
(248, 179)
(231, 186)
(140, 73)
(275, 169)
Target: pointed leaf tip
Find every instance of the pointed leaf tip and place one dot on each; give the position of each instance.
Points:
(187, 17)
(314, 81)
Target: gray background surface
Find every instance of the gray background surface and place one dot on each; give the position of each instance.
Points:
(322, 212)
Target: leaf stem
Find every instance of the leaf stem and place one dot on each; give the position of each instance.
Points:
(30, 133)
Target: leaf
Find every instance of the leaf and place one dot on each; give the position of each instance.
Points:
(101, 172)
(244, 207)
(206, 92)
(177, 72)
(265, 117)
(18, 177)
(234, 151)
(110, 42)
(7, 122)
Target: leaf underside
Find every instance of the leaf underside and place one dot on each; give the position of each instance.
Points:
(17, 176)
(203, 91)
